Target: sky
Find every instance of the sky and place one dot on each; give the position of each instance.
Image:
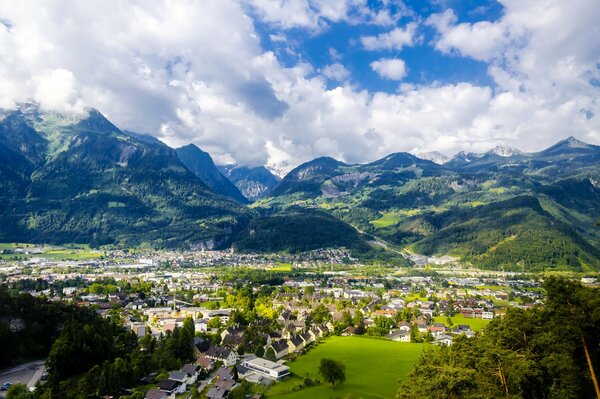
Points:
(280, 82)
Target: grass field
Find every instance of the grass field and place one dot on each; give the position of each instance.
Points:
(68, 252)
(476, 324)
(391, 218)
(373, 368)
(282, 267)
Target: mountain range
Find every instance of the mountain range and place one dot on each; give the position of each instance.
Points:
(78, 178)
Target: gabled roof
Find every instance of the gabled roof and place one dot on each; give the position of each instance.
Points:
(168, 385)
(278, 346)
(155, 394)
(190, 369)
(216, 393)
(178, 376)
(218, 352)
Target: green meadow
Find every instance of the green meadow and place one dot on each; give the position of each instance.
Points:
(374, 368)
(476, 324)
(282, 267)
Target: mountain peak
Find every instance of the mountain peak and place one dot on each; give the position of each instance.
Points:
(202, 165)
(504, 151)
(434, 156)
(573, 142)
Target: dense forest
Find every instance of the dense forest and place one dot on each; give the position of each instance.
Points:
(546, 352)
(88, 355)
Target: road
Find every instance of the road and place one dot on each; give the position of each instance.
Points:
(28, 373)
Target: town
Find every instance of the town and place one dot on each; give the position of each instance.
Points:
(254, 316)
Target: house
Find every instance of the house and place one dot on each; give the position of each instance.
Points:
(219, 353)
(139, 329)
(280, 348)
(171, 387)
(487, 315)
(295, 344)
(350, 330)
(323, 330)
(191, 371)
(179, 376)
(221, 389)
(443, 340)
(233, 340)
(243, 371)
(267, 368)
(307, 338)
(315, 334)
(230, 331)
(399, 336)
(217, 393)
(205, 363)
(156, 394)
(437, 329)
(201, 345)
(285, 316)
(201, 325)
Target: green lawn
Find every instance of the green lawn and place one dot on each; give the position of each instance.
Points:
(391, 218)
(476, 324)
(373, 368)
(282, 267)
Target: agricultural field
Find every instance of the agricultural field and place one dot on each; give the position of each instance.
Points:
(50, 252)
(374, 368)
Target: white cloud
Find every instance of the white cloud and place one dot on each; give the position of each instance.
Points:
(278, 38)
(336, 72)
(481, 41)
(316, 15)
(187, 72)
(56, 90)
(395, 39)
(389, 68)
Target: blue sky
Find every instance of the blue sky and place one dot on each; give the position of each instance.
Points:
(280, 82)
(424, 64)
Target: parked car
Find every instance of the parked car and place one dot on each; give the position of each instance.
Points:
(6, 386)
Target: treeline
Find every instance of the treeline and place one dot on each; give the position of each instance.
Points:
(528, 354)
(104, 358)
(29, 325)
(88, 356)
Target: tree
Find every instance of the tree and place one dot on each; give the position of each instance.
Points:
(19, 391)
(215, 322)
(320, 314)
(414, 334)
(270, 355)
(332, 371)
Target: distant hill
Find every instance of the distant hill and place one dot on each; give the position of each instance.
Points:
(201, 164)
(253, 182)
(502, 209)
(78, 178)
(298, 230)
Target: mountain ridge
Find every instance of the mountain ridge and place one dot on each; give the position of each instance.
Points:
(202, 165)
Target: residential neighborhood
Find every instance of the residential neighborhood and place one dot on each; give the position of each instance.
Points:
(252, 332)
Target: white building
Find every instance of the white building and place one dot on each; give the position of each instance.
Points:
(267, 368)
